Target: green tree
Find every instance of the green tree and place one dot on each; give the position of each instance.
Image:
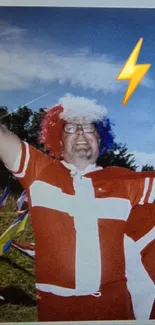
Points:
(16, 122)
(34, 128)
(19, 122)
(119, 156)
(147, 168)
(3, 112)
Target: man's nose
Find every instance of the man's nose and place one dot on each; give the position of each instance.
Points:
(79, 129)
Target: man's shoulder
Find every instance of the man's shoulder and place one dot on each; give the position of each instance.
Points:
(125, 173)
(41, 157)
(116, 171)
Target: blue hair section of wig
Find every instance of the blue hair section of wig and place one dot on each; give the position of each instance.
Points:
(106, 135)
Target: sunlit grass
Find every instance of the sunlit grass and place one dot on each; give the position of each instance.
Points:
(17, 274)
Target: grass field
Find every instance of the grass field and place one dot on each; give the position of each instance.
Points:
(16, 275)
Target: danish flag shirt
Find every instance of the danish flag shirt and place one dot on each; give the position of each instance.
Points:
(89, 248)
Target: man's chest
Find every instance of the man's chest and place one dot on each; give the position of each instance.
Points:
(82, 197)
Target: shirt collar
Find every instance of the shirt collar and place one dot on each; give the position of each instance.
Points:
(74, 170)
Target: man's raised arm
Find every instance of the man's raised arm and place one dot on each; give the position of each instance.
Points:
(10, 148)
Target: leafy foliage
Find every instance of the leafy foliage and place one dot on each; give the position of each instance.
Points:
(119, 156)
(147, 168)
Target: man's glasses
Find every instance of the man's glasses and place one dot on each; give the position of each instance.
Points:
(72, 127)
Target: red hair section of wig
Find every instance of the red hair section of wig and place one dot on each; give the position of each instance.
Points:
(51, 129)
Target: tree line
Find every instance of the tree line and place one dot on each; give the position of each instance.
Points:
(26, 124)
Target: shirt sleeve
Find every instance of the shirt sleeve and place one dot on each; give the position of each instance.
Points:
(141, 191)
(32, 161)
(141, 188)
(140, 221)
(148, 195)
(148, 259)
(137, 187)
(140, 226)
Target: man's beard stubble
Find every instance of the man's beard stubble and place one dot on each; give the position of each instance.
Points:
(84, 154)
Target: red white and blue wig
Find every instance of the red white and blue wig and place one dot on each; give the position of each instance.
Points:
(56, 117)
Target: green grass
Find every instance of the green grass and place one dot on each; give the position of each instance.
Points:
(17, 274)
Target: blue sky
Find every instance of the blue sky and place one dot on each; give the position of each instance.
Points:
(80, 51)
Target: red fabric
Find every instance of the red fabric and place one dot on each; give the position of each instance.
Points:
(147, 258)
(114, 304)
(152, 316)
(51, 128)
(55, 236)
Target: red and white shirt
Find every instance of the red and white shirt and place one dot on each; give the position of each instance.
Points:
(85, 233)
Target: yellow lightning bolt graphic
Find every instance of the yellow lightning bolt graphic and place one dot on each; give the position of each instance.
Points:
(133, 72)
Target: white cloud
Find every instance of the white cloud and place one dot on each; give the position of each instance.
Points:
(23, 63)
(21, 67)
(143, 158)
(75, 106)
(148, 82)
(10, 33)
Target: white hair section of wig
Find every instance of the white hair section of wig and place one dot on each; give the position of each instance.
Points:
(76, 107)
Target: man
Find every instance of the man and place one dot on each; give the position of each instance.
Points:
(80, 216)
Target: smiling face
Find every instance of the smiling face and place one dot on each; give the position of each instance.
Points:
(80, 146)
